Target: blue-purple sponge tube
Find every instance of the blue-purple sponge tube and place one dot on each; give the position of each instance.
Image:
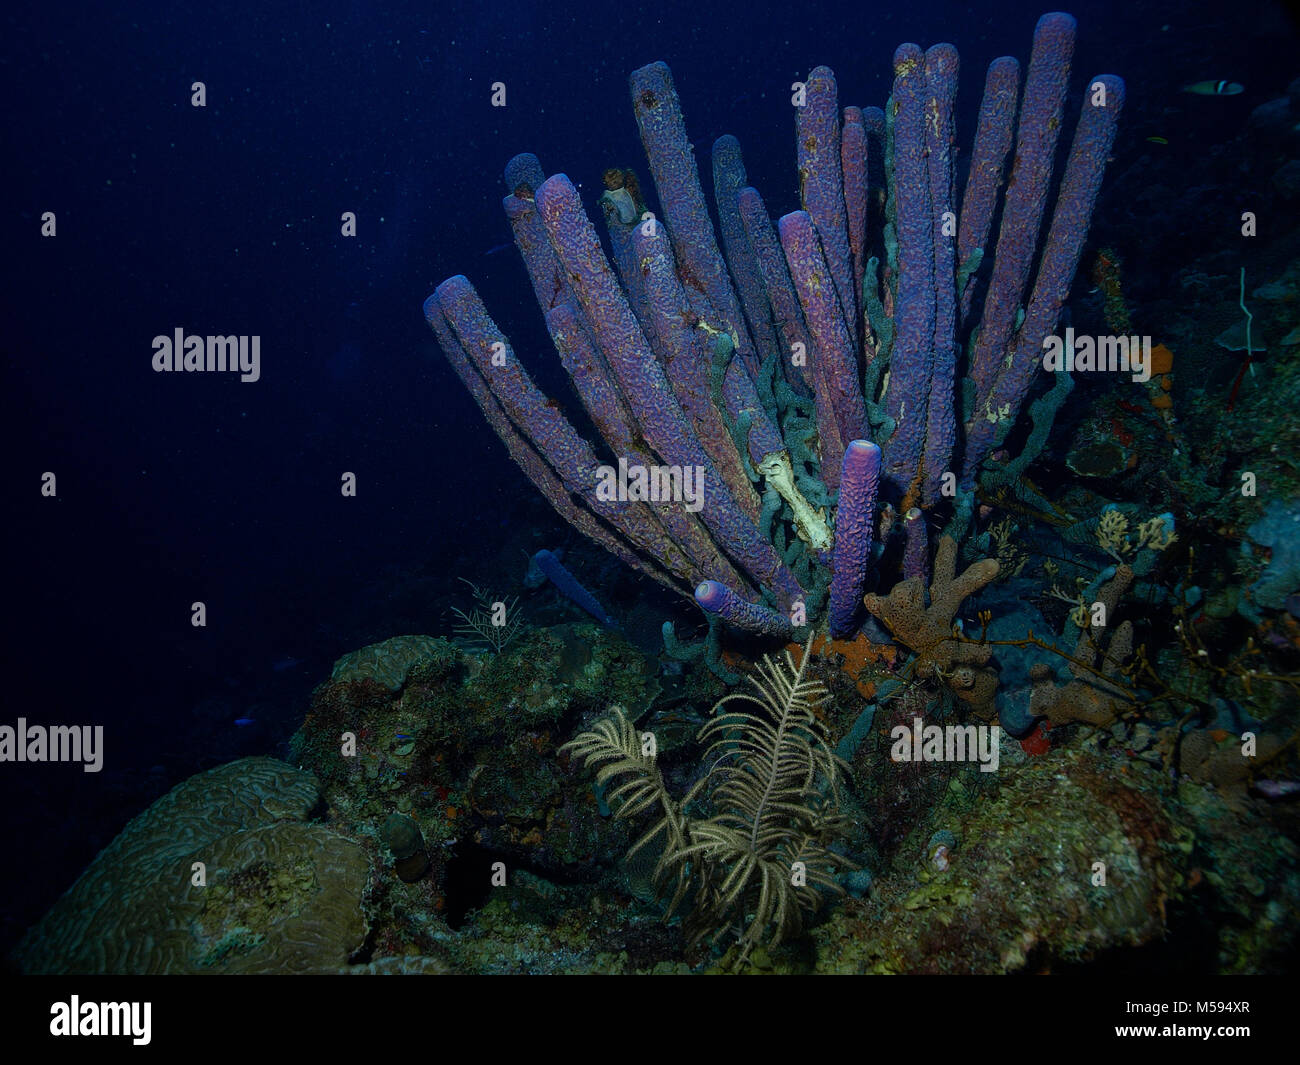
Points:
(859, 478)
(717, 598)
(571, 587)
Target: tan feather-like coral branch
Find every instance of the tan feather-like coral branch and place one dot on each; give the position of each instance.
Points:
(759, 863)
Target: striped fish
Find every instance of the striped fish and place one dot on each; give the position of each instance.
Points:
(1215, 88)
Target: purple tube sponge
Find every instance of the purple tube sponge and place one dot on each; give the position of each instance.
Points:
(912, 361)
(647, 391)
(685, 350)
(524, 173)
(472, 333)
(717, 598)
(571, 587)
(832, 361)
(859, 479)
(771, 262)
(1093, 139)
(821, 183)
(941, 421)
(728, 179)
(865, 294)
(997, 125)
(601, 399)
(535, 465)
(685, 354)
(672, 162)
(544, 271)
(853, 162)
(1026, 197)
(1074, 203)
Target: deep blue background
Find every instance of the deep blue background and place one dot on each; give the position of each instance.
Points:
(176, 488)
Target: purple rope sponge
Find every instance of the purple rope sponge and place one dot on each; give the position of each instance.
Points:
(570, 587)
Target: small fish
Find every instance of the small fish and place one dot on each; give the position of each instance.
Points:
(288, 662)
(244, 722)
(1158, 140)
(1215, 88)
(497, 248)
(1277, 789)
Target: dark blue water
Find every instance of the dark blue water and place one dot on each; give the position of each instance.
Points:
(174, 489)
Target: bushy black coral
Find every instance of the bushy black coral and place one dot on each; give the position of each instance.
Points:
(759, 862)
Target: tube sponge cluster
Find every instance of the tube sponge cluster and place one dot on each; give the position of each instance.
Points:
(809, 368)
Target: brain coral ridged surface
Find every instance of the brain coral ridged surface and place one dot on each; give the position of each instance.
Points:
(280, 896)
(390, 661)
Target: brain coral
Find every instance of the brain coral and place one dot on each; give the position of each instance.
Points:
(281, 895)
(390, 661)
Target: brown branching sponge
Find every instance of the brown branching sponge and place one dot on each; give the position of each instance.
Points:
(962, 665)
(760, 862)
(1098, 694)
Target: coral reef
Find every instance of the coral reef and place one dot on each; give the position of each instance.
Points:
(828, 431)
(466, 747)
(1023, 889)
(281, 895)
(1068, 852)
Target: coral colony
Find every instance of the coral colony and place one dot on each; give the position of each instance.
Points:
(845, 376)
(818, 428)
